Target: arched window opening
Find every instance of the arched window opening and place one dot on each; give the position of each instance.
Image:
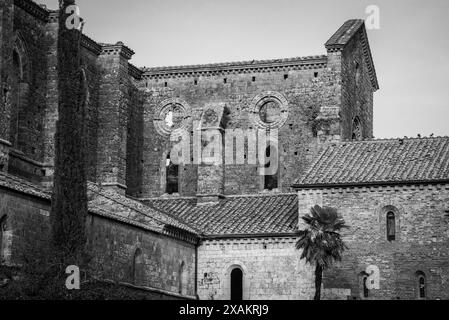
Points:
(391, 226)
(15, 96)
(236, 284)
(138, 268)
(357, 74)
(182, 279)
(365, 287)
(270, 177)
(422, 285)
(2, 239)
(172, 176)
(357, 133)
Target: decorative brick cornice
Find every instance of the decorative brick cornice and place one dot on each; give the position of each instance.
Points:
(117, 49)
(246, 239)
(216, 69)
(367, 188)
(34, 9)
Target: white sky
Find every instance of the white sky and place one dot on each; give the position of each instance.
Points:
(410, 50)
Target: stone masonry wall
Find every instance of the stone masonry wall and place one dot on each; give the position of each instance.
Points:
(115, 245)
(272, 269)
(357, 90)
(422, 238)
(111, 244)
(31, 43)
(307, 90)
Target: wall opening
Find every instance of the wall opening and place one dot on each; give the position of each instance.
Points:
(182, 279)
(2, 239)
(172, 176)
(15, 98)
(270, 178)
(421, 283)
(138, 268)
(391, 226)
(236, 284)
(357, 133)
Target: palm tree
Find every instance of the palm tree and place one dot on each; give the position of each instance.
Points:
(321, 241)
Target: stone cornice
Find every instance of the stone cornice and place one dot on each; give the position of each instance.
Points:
(33, 8)
(117, 49)
(91, 45)
(312, 62)
(134, 72)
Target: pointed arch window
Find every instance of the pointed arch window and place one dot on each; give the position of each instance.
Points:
(391, 226)
(357, 133)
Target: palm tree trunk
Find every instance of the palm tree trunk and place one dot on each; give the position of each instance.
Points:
(318, 280)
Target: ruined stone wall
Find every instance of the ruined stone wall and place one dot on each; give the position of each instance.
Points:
(357, 90)
(31, 44)
(27, 227)
(307, 90)
(421, 244)
(111, 244)
(272, 269)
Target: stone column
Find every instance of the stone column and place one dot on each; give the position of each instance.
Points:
(211, 168)
(113, 116)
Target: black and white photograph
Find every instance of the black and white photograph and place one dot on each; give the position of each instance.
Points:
(245, 151)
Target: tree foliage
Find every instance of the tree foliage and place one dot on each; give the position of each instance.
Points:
(321, 242)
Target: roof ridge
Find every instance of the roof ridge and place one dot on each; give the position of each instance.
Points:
(390, 139)
(254, 195)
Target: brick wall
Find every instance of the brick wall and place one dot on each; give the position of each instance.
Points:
(421, 244)
(271, 267)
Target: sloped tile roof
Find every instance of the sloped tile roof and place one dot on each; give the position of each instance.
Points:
(107, 201)
(380, 161)
(108, 204)
(18, 184)
(236, 215)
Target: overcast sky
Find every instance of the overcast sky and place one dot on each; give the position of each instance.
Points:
(410, 50)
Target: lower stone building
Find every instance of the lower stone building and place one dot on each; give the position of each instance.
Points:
(226, 229)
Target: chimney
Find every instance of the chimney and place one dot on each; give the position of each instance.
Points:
(209, 150)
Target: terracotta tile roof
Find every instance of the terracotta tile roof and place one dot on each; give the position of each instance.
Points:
(132, 211)
(236, 215)
(108, 204)
(380, 161)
